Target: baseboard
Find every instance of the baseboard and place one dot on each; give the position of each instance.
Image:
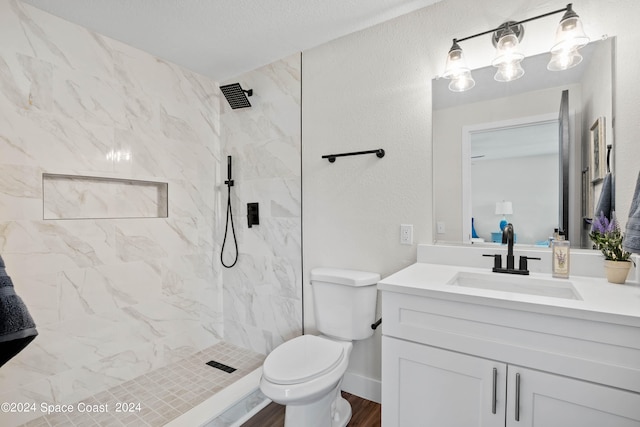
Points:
(364, 387)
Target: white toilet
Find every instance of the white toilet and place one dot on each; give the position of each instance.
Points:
(306, 372)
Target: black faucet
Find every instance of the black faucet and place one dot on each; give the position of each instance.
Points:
(508, 238)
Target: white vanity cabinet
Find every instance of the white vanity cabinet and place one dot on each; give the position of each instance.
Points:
(466, 361)
(428, 386)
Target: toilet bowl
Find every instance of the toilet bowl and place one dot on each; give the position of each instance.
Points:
(305, 373)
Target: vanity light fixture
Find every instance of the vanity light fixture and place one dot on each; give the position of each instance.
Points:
(506, 38)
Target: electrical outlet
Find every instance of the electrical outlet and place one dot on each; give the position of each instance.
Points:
(440, 227)
(406, 234)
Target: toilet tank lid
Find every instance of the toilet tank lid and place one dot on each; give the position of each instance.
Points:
(344, 277)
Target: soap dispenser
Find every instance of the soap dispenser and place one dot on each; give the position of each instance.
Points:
(560, 257)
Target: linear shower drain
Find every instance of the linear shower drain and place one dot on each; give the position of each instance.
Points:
(221, 366)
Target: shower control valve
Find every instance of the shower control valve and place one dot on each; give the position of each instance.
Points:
(253, 214)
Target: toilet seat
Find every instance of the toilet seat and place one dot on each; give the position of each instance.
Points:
(302, 359)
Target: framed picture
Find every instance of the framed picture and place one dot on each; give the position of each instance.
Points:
(598, 155)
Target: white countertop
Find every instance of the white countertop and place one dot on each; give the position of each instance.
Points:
(601, 301)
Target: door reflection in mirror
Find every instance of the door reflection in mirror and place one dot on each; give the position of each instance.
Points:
(499, 155)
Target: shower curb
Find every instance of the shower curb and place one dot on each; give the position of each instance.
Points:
(208, 411)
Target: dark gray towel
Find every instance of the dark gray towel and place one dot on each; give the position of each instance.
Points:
(17, 328)
(605, 204)
(631, 242)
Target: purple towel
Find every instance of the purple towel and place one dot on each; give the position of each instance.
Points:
(605, 202)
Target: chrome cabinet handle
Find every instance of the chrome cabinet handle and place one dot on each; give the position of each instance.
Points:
(517, 397)
(495, 391)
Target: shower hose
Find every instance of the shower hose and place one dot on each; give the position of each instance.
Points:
(226, 228)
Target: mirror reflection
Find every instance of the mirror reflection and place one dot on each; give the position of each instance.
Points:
(523, 151)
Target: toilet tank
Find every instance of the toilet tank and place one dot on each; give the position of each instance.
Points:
(344, 302)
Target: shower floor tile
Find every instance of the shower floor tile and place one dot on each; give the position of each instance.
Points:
(162, 395)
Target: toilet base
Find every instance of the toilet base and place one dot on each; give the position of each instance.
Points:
(332, 410)
(342, 416)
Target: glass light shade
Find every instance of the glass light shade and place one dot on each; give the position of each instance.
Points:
(570, 35)
(507, 49)
(456, 69)
(508, 72)
(563, 60)
(508, 58)
(462, 82)
(455, 65)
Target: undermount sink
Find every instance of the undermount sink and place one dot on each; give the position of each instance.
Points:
(515, 284)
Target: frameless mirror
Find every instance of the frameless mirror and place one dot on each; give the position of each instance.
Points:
(538, 143)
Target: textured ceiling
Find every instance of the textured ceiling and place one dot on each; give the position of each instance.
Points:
(224, 38)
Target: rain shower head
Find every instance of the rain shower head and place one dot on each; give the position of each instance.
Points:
(236, 95)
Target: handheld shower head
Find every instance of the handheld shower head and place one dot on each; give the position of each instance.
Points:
(229, 181)
(236, 95)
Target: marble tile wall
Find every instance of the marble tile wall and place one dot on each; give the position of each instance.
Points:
(263, 292)
(82, 197)
(112, 298)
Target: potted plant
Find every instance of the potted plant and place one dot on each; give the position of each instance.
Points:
(607, 237)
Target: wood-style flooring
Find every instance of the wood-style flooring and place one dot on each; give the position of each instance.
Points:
(365, 413)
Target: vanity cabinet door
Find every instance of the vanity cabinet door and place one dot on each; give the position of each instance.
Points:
(429, 387)
(539, 399)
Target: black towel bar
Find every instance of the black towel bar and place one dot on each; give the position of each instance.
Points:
(332, 157)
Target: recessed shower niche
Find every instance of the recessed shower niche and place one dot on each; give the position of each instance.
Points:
(90, 197)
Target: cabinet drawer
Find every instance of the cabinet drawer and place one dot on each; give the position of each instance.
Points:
(595, 351)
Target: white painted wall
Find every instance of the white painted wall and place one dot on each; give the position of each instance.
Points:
(372, 90)
(361, 93)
